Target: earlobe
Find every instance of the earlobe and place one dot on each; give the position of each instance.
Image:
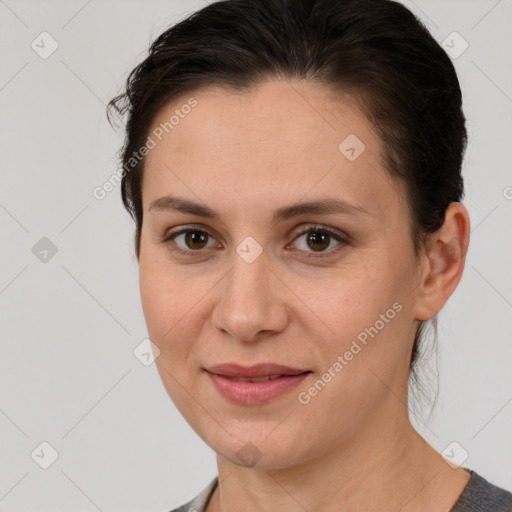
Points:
(444, 258)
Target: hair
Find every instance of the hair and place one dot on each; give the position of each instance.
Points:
(375, 51)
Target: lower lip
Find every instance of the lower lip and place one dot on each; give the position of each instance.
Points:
(255, 393)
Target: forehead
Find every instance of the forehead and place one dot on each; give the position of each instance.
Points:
(274, 143)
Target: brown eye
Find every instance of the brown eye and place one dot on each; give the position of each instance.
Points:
(189, 241)
(318, 239)
(195, 239)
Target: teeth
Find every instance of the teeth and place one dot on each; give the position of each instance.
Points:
(256, 379)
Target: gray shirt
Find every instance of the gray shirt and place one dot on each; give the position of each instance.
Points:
(478, 496)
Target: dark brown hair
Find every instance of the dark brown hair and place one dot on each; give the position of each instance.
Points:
(376, 51)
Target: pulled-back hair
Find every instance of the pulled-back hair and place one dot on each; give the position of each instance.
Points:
(375, 51)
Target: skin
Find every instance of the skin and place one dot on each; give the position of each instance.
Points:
(352, 447)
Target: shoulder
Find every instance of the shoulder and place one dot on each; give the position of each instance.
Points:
(198, 504)
(479, 495)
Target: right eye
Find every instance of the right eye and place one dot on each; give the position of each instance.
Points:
(192, 241)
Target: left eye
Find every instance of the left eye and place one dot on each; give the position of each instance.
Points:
(319, 239)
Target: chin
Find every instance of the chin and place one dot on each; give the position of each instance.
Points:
(258, 447)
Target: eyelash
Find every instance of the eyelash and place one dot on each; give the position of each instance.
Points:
(343, 239)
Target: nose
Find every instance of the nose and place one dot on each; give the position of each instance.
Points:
(252, 301)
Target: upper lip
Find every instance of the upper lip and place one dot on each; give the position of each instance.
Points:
(257, 370)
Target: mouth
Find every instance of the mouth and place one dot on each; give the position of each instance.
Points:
(255, 385)
(263, 378)
(256, 371)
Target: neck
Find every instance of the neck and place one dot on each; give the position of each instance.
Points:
(390, 468)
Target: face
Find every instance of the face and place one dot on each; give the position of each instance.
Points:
(250, 277)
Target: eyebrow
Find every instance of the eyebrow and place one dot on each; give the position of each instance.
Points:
(320, 206)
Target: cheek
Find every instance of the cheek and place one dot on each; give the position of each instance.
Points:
(352, 300)
(167, 303)
(163, 300)
(173, 303)
(154, 297)
(367, 316)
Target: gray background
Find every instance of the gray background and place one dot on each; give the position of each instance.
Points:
(70, 324)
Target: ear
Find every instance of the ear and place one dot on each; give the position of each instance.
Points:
(443, 262)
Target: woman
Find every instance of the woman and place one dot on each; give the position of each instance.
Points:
(294, 172)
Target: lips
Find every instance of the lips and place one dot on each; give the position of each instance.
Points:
(258, 371)
(254, 385)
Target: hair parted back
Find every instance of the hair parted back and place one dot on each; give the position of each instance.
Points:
(375, 51)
